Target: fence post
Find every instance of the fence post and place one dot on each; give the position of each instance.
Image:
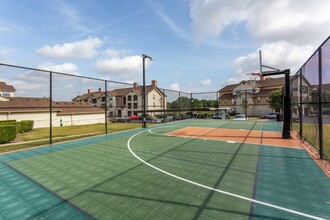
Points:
(164, 103)
(179, 103)
(300, 105)
(50, 107)
(320, 105)
(191, 101)
(106, 106)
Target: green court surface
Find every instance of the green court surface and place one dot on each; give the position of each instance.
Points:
(110, 177)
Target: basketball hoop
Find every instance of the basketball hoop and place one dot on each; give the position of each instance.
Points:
(254, 74)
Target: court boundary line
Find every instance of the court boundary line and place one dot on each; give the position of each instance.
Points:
(203, 138)
(211, 188)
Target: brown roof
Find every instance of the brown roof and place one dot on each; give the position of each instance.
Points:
(138, 90)
(272, 82)
(263, 93)
(7, 88)
(29, 104)
(263, 83)
(228, 88)
(76, 108)
(94, 94)
(19, 104)
(227, 96)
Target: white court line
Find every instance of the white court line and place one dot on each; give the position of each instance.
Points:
(216, 190)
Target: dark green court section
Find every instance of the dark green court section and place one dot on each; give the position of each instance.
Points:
(99, 178)
(291, 179)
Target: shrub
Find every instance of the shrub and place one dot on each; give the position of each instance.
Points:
(24, 126)
(7, 121)
(7, 133)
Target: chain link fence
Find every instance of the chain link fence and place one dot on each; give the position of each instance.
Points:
(58, 106)
(310, 94)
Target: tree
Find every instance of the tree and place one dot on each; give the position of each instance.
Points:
(181, 102)
(276, 100)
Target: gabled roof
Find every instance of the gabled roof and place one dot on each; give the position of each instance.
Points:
(138, 90)
(7, 88)
(94, 94)
(263, 93)
(272, 82)
(262, 83)
(227, 96)
(228, 88)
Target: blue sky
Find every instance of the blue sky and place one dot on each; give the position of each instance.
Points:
(196, 45)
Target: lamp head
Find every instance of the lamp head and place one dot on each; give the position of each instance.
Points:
(146, 56)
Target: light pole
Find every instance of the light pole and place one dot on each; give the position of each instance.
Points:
(144, 124)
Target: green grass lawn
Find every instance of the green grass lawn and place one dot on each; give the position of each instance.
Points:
(310, 133)
(40, 136)
(42, 133)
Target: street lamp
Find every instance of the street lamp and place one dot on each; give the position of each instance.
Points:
(144, 124)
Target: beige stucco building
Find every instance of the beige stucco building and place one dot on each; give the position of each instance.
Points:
(255, 93)
(127, 101)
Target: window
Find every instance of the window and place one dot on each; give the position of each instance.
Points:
(6, 94)
(258, 99)
(225, 100)
(135, 105)
(110, 105)
(103, 99)
(238, 91)
(129, 105)
(233, 101)
(154, 105)
(267, 99)
(304, 89)
(94, 100)
(124, 100)
(135, 97)
(154, 96)
(129, 98)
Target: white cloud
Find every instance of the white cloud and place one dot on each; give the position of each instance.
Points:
(78, 49)
(175, 86)
(206, 82)
(126, 68)
(281, 55)
(209, 18)
(287, 30)
(293, 20)
(69, 68)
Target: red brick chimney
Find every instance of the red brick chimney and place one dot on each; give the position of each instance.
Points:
(100, 90)
(89, 90)
(135, 85)
(154, 83)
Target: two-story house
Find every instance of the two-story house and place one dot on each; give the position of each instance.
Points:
(6, 90)
(251, 96)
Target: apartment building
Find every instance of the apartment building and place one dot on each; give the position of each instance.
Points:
(127, 101)
(253, 94)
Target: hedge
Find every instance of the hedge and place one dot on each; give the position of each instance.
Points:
(7, 133)
(24, 126)
(7, 121)
(21, 126)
